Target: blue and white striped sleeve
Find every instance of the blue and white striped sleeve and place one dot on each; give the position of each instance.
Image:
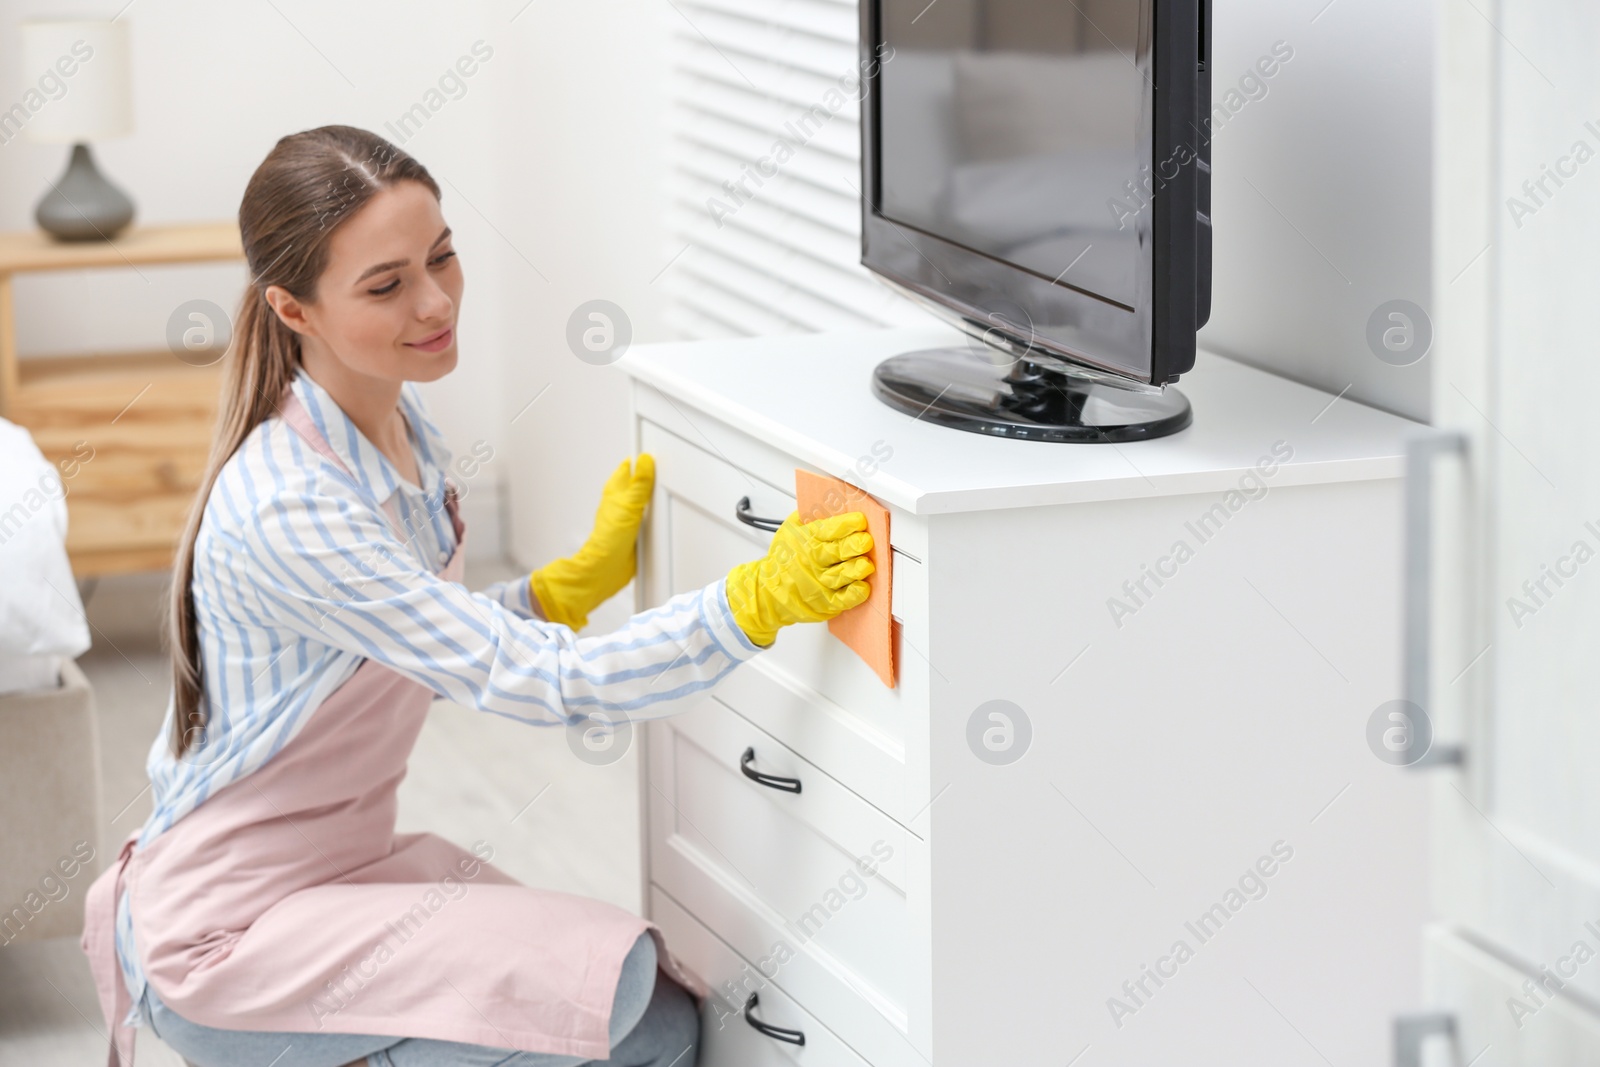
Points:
(517, 595)
(328, 568)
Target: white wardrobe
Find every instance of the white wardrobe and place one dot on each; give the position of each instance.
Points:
(1513, 964)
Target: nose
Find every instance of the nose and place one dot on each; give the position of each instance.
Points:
(433, 303)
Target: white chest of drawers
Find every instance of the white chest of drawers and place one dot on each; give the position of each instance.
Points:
(1188, 636)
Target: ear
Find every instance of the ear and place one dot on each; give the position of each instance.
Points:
(290, 311)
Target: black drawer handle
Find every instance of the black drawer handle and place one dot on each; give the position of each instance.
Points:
(794, 1037)
(772, 780)
(742, 513)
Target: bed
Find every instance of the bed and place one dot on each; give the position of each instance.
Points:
(49, 739)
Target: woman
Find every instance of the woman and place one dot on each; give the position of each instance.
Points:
(267, 913)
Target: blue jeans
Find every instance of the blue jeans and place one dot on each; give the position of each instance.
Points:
(653, 1024)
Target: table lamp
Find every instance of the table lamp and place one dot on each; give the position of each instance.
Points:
(85, 94)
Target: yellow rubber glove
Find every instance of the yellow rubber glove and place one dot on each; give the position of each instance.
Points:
(570, 588)
(812, 572)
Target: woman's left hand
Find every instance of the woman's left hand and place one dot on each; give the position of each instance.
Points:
(568, 589)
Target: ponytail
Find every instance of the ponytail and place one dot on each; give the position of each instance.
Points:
(308, 184)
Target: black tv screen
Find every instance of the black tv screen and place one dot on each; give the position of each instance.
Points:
(1037, 168)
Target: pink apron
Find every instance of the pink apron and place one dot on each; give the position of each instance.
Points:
(286, 901)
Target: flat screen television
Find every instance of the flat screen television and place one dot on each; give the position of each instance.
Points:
(1038, 173)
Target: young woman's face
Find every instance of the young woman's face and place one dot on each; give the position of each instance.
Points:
(387, 300)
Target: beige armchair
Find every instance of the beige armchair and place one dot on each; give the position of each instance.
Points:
(50, 808)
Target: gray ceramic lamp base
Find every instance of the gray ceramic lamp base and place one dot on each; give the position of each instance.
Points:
(83, 205)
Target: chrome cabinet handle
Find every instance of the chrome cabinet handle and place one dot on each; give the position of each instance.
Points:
(1420, 455)
(792, 785)
(794, 1037)
(741, 511)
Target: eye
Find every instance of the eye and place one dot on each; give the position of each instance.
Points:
(434, 262)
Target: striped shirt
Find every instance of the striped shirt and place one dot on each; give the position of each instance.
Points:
(299, 577)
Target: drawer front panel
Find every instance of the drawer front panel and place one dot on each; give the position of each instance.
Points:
(829, 865)
(820, 871)
(726, 1038)
(808, 689)
(707, 540)
(762, 456)
(1500, 1022)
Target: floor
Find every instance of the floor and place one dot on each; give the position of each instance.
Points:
(554, 821)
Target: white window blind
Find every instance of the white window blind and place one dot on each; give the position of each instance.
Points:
(765, 172)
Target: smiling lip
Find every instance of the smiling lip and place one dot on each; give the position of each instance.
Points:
(436, 342)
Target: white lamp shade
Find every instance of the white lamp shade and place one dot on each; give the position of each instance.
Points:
(77, 78)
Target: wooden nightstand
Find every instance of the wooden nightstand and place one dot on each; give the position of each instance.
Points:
(129, 431)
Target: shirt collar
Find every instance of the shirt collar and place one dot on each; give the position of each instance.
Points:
(377, 476)
(433, 454)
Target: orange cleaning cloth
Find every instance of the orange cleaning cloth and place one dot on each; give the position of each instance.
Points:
(867, 628)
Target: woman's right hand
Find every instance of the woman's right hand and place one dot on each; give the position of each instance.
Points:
(812, 572)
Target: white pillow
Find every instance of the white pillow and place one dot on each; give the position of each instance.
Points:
(40, 613)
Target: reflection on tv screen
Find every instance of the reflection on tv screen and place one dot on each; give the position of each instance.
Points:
(1013, 128)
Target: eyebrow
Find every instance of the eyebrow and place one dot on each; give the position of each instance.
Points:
(379, 268)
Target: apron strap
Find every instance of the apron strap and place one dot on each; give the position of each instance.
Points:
(99, 943)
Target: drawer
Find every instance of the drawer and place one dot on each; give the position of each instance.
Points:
(819, 871)
(1494, 1010)
(808, 689)
(726, 1037)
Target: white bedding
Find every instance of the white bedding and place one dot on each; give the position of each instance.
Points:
(41, 617)
(26, 673)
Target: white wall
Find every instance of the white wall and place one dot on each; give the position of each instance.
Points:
(549, 165)
(581, 132)
(553, 166)
(1322, 180)
(1323, 190)
(1321, 203)
(215, 85)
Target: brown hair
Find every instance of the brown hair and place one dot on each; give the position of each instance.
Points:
(309, 183)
